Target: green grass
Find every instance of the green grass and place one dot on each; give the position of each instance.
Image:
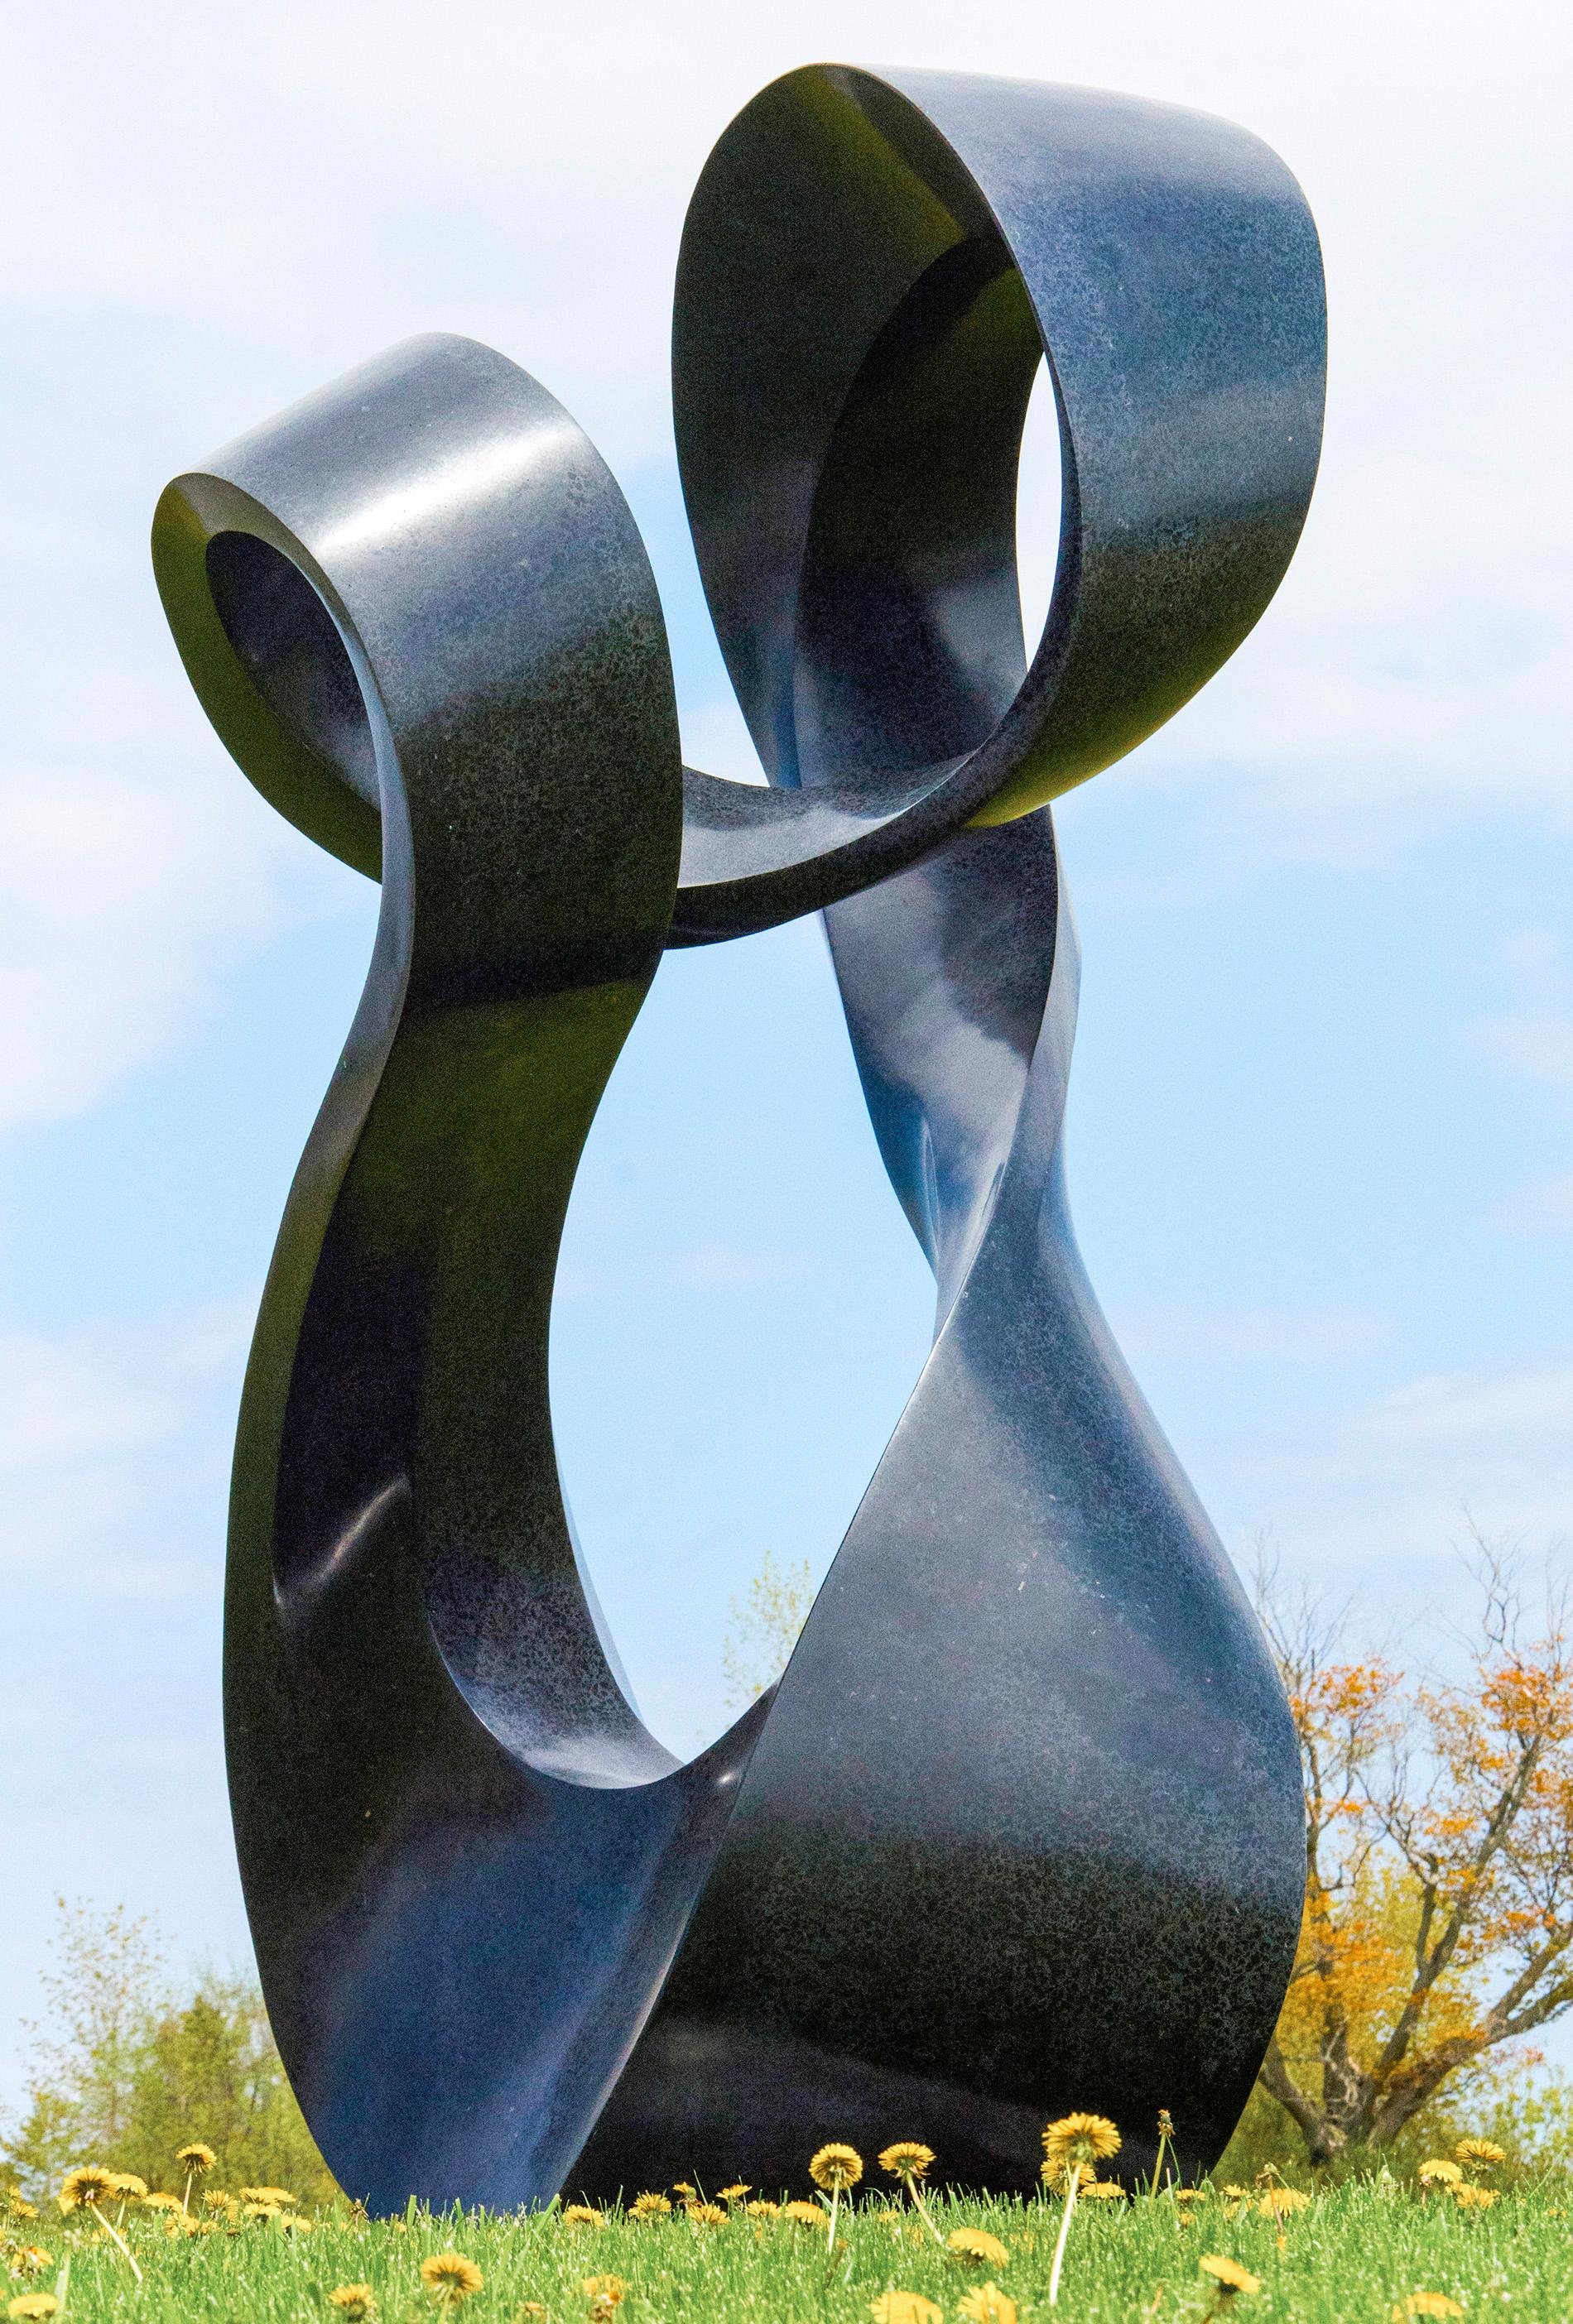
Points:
(1352, 2255)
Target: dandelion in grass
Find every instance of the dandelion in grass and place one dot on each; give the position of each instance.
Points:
(681, 2187)
(895, 2307)
(806, 2215)
(1436, 2170)
(1473, 2199)
(604, 2294)
(196, 2159)
(1424, 2303)
(216, 2199)
(583, 2215)
(1075, 2139)
(650, 2207)
(763, 2210)
(128, 2189)
(1165, 2145)
(910, 2161)
(33, 2304)
(20, 2207)
(84, 2188)
(1230, 2280)
(87, 2189)
(705, 2215)
(1478, 2155)
(178, 2225)
(987, 2305)
(1282, 2202)
(977, 2246)
(356, 2302)
(450, 2277)
(29, 2259)
(1104, 2190)
(736, 2194)
(838, 2169)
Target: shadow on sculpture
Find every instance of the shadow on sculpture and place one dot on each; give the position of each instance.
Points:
(1020, 1828)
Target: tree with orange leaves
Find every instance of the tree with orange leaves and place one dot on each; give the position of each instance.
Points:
(1439, 1910)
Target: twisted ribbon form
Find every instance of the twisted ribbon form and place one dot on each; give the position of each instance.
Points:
(1020, 1827)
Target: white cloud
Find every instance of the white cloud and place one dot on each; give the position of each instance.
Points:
(82, 1413)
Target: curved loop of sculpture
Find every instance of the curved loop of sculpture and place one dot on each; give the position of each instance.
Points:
(1020, 1827)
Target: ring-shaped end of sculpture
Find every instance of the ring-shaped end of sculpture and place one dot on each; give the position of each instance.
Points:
(873, 268)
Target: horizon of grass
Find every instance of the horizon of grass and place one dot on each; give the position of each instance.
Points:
(1355, 2252)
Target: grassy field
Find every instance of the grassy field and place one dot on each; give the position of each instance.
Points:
(1362, 2251)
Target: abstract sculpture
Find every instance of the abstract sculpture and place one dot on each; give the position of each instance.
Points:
(1020, 1828)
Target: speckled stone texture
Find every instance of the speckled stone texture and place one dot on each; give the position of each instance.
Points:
(1020, 1828)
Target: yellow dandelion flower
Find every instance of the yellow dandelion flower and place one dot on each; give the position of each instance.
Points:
(1436, 2170)
(735, 2194)
(583, 2215)
(763, 2210)
(806, 2215)
(1060, 2174)
(128, 2187)
(987, 2305)
(609, 2288)
(450, 2277)
(21, 2208)
(1188, 2195)
(650, 2207)
(705, 2215)
(197, 2158)
(355, 2301)
(1479, 2153)
(908, 2158)
(1279, 2202)
(158, 2202)
(1235, 2194)
(894, 2307)
(681, 2187)
(178, 2224)
(294, 2224)
(1081, 2138)
(1425, 2303)
(31, 2305)
(976, 2244)
(1228, 2274)
(1473, 2198)
(84, 2188)
(836, 2168)
(1105, 2190)
(29, 2259)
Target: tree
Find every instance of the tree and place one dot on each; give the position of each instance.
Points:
(125, 2071)
(1438, 1909)
(763, 1630)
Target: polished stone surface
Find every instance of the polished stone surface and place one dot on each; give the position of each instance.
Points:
(1020, 1827)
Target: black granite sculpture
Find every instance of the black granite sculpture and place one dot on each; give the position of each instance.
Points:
(1020, 1828)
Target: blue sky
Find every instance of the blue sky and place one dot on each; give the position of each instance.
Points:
(1321, 1124)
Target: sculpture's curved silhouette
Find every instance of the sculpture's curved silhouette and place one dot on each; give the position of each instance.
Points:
(1020, 1828)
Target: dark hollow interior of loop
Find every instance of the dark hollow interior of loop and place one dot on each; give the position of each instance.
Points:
(289, 645)
(909, 636)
